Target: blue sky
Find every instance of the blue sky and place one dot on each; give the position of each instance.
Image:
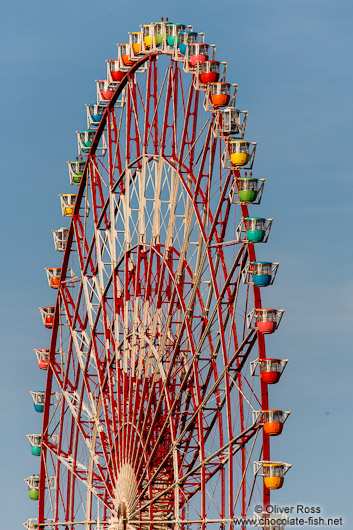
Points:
(292, 61)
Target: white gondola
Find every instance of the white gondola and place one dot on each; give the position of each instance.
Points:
(60, 238)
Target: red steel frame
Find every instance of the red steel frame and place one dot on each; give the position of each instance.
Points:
(151, 353)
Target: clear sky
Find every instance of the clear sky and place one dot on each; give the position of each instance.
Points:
(292, 60)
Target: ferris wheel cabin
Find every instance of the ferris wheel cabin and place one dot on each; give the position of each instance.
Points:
(115, 75)
(47, 314)
(273, 421)
(53, 276)
(233, 121)
(248, 189)
(274, 475)
(240, 152)
(220, 93)
(42, 358)
(85, 140)
(255, 229)
(209, 71)
(33, 487)
(268, 319)
(125, 54)
(270, 369)
(60, 238)
(148, 36)
(104, 91)
(198, 52)
(76, 168)
(272, 472)
(38, 397)
(95, 113)
(67, 201)
(172, 33)
(185, 39)
(36, 442)
(160, 31)
(136, 42)
(262, 272)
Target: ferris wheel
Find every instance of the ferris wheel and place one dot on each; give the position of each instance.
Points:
(156, 408)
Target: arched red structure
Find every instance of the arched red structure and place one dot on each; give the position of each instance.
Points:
(148, 418)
